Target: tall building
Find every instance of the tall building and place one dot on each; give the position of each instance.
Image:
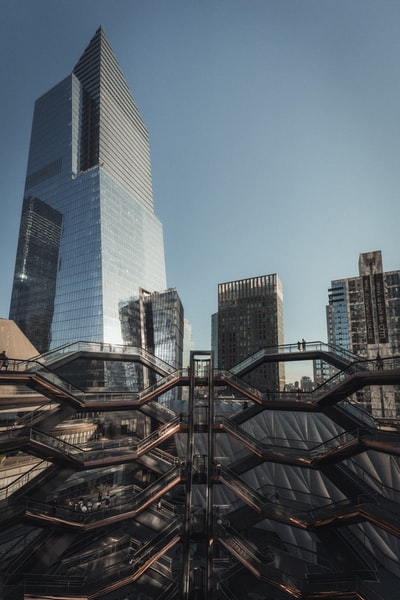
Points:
(250, 317)
(89, 238)
(155, 322)
(188, 343)
(214, 337)
(363, 316)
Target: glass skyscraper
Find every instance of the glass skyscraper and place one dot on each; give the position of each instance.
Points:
(89, 238)
(155, 322)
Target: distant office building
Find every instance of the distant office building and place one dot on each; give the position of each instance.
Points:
(250, 317)
(363, 315)
(89, 238)
(214, 337)
(155, 323)
(164, 326)
(321, 372)
(188, 343)
(307, 384)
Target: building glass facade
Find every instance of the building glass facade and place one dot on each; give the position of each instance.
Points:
(339, 326)
(164, 326)
(40, 231)
(89, 164)
(250, 317)
(155, 322)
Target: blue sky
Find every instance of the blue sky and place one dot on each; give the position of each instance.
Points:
(274, 130)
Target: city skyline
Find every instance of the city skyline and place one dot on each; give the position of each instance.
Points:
(273, 137)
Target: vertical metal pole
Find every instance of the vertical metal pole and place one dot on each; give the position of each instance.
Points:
(210, 474)
(189, 474)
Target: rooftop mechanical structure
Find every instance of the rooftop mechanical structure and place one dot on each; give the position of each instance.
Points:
(223, 492)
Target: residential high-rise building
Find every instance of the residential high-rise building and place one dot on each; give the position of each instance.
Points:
(363, 316)
(250, 317)
(89, 238)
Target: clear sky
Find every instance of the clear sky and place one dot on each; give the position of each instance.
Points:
(274, 130)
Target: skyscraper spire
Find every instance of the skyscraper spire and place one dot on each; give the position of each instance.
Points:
(111, 119)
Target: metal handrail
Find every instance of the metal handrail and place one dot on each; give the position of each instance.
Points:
(289, 348)
(84, 346)
(134, 503)
(24, 479)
